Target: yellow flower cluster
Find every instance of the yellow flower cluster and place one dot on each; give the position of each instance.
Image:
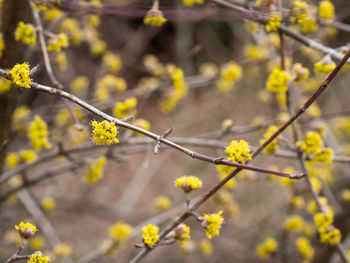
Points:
(37, 258)
(238, 151)
(273, 146)
(124, 109)
(299, 11)
(278, 80)
(38, 134)
(179, 90)
(2, 45)
(154, 17)
(120, 231)
(308, 25)
(324, 67)
(266, 248)
(112, 62)
(324, 156)
(153, 65)
(62, 250)
(27, 156)
(274, 22)
(255, 52)
(48, 203)
(80, 83)
(52, 14)
(188, 183)
(70, 26)
(25, 33)
(305, 249)
(26, 230)
(326, 10)
(230, 73)
(57, 42)
(162, 203)
(150, 235)
(20, 75)
(104, 132)
(181, 233)
(94, 171)
(294, 223)
(328, 233)
(212, 224)
(191, 2)
(312, 144)
(297, 201)
(109, 83)
(206, 247)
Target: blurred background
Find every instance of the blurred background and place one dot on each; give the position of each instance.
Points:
(109, 38)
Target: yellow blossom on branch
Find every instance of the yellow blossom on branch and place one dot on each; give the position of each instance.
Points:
(188, 183)
(162, 203)
(181, 233)
(12, 160)
(126, 108)
(326, 10)
(331, 237)
(150, 235)
(154, 16)
(26, 230)
(37, 258)
(48, 203)
(19, 75)
(273, 146)
(274, 22)
(304, 247)
(278, 80)
(266, 248)
(294, 223)
(212, 224)
(312, 143)
(324, 67)
(62, 250)
(104, 132)
(57, 42)
(238, 151)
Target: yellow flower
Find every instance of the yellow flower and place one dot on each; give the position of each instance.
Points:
(20, 75)
(26, 230)
(112, 62)
(312, 143)
(324, 156)
(238, 151)
(230, 73)
(266, 248)
(326, 10)
(278, 80)
(154, 17)
(274, 22)
(126, 108)
(324, 67)
(322, 221)
(192, 2)
(25, 33)
(37, 258)
(188, 183)
(94, 171)
(256, 52)
(273, 146)
(57, 42)
(331, 237)
(80, 83)
(12, 160)
(28, 156)
(299, 11)
(104, 132)
(294, 223)
(181, 233)
(162, 203)
(48, 203)
(206, 247)
(212, 224)
(150, 235)
(308, 25)
(120, 231)
(38, 134)
(52, 14)
(304, 247)
(70, 26)
(299, 72)
(62, 250)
